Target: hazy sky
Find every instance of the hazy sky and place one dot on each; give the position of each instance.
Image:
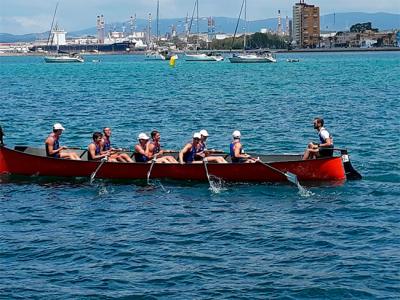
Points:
(28, 16)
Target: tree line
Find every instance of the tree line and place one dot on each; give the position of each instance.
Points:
(255, 41)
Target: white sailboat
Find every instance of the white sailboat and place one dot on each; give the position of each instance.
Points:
(247, 57)
(60, 56)
(64, 58)
(206, 57)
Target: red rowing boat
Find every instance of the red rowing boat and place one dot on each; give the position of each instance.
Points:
(33, 162)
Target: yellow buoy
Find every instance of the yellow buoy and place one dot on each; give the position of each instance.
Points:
(172, 61)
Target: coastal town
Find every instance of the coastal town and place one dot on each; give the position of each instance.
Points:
(301, 31)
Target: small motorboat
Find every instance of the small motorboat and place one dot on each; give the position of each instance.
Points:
(292, 60)
(29, 161)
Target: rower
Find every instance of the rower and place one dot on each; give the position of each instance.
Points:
(94, 149)
(154, 150)
(188, 153)
(106, 146)
(141, 149)
(53, 148)
(325, 147)
(204, 152)
(236, 150)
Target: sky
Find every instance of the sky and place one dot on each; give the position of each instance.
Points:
(31, 16)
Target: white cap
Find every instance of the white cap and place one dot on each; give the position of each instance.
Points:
(197, 135)
(236, 134)
(204, 132)
(143, 136)
(58, 126)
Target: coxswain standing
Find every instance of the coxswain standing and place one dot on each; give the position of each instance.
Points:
(325, 147)
(154, 150)
(95, 149)
(189, 152)
(53, 148)
(236, 150)
(106, 146)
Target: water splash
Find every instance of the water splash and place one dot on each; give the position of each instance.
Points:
(102, 190)
(303, 192)
(217, 185)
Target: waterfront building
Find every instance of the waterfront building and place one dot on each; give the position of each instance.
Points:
(58, 36)
(306, 25)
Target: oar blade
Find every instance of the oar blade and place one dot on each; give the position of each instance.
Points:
(92, 176)
(292, 177)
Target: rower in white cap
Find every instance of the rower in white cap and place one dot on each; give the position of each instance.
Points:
(141, 151)
(204, 152)
(236, 150)
(188, 153)
(53, 148)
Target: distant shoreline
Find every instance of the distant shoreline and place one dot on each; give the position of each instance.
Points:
(317, 50)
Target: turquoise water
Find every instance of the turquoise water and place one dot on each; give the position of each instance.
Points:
(73, 240)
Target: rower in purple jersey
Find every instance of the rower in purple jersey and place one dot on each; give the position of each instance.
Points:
(154, 150)
(115, 154)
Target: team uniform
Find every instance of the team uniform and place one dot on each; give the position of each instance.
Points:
(141, 157)
(97, 152)
(107, 144)
(56, 146)
(190, 155)
(232, 153)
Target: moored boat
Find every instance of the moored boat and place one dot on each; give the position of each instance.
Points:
(33, 162)
(204, 57)
(261, 57)
(64, 58)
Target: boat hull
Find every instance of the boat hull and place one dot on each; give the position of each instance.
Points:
(63, 59)
(21, 163)
(249, 60)
(203, 57)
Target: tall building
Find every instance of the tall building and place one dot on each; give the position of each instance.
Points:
(279, 31)
(306, 25)
(100, 29)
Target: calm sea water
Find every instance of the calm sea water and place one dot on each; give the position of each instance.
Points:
(73, 240)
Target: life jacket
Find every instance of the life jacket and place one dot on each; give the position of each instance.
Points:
(56, 146)
(141, 157)
(97, 152)
(232, 152)
(190, 155)
(107, 144)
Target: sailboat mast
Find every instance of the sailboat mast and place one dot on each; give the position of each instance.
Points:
(158, 20)
(52, 23)
(198, 28)
(245, 25)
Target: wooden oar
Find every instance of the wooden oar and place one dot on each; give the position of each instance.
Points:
(93, 175)
(206, 168)
(151, 168)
